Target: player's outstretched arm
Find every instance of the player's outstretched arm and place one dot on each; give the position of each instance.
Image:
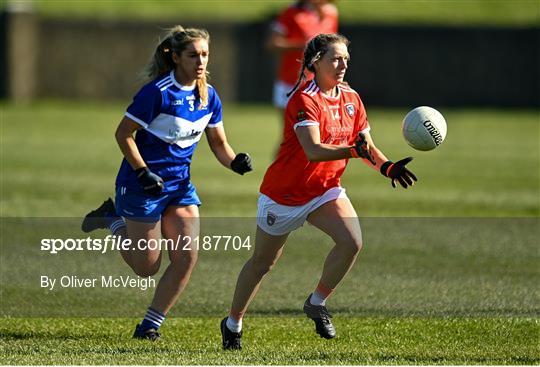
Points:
(398, 172)
(310, 140)
(394, 171)
(217, 140)
(366, 149)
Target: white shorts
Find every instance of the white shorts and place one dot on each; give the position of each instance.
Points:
(277, 219)
(280, 98)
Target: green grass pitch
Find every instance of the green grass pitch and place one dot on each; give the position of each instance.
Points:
(434, 12)
(448, 274)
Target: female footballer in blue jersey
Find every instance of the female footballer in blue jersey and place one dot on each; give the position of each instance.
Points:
(154, 195)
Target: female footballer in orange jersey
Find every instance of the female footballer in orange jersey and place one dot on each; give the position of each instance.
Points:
(290, 32)
(325, 126)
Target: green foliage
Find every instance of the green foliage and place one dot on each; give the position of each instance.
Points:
(435, 12)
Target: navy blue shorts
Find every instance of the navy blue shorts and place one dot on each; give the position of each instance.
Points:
(140, 207)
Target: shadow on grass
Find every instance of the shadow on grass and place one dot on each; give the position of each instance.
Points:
(375, 312)
(48, 335)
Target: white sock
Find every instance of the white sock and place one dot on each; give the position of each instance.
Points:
(234, 325)
(317, 300)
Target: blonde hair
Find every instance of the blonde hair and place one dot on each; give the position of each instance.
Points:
(176, 40)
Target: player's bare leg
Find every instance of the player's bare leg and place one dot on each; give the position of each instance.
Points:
(125, 253)
(145, 262)
(177, 222)
(105, 216)
(338, 219)
(267, 251)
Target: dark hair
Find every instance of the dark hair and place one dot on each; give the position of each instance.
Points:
(176, 40)
(316, 48)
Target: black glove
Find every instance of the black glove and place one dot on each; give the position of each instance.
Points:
(361, 150)
(151, 183)
(398, 172)
(241, 163)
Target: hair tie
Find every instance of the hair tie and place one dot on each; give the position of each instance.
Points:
(165, 45)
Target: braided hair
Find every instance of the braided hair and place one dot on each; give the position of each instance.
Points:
(176, 40)
(316, 48)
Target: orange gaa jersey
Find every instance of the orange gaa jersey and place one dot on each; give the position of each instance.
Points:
(300, 23)
(292, 179)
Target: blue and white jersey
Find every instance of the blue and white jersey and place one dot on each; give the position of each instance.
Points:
(172, 125)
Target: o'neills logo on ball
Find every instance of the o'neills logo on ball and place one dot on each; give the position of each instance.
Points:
(435, 134)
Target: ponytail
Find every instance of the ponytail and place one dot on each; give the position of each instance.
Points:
(162, 62)
(176, 40)
(301, 77)
(202, 87)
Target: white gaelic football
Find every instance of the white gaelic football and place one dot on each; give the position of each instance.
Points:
(424, 128)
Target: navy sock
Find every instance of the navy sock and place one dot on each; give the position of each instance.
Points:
(115, 224)
(152, 320)
(114, 221)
